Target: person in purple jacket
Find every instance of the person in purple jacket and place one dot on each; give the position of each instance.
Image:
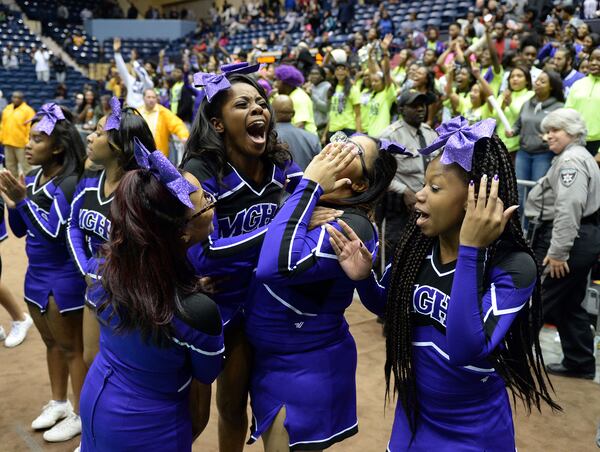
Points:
(38, 208)
(303, 380)
(156, 331)
(111, 147)
(461, 299)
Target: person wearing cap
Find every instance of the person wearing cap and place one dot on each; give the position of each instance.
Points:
(414, 133)
(289, 81)
(14, 133)
(344, 108)
(302, 144)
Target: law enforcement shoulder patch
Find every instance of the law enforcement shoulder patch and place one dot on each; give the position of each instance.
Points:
(567, 176)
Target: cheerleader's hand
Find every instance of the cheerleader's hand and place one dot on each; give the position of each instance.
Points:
(329, 163)
(353, 256)
(13, 188)
(9, 202)
(323, 215)
(486, 218)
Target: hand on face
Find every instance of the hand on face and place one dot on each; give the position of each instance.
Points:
(485, 218)
(329, 163)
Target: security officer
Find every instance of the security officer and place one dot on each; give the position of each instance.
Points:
(565, 232)
(412, 132)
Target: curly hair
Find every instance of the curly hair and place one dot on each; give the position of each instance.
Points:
(518, 360)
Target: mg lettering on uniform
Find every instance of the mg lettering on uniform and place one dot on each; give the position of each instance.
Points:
(431, 302)
(247, 220)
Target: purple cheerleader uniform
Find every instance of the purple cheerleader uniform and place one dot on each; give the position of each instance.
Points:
(242, 213)
(457, 323)
(42, 216)
(136, 394)
(304, 355)
(89, 224)
(3, 232)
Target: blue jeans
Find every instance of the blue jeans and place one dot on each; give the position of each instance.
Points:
(531, 166)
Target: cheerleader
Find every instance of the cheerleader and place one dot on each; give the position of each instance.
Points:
(111, 147)
(303, 383)
(156, 332)
(21, 321)
(233, 151)
(38, 208)
(463, 301)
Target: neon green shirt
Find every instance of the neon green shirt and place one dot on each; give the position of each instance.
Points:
(303, 110)
(365, 98)
(344, 119)
(512, 114)
(584, 97)
(379, 111)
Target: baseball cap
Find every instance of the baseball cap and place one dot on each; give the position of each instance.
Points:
(411, 96)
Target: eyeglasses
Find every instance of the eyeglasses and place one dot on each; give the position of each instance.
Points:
(341, 137)
(210, 203)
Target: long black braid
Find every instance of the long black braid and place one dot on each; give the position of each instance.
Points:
(519, 360)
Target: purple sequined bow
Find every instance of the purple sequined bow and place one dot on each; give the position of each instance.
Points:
(114, 119)
(48, 115)
(165, 172)
(215, 83)
(392, 147)
(459, 139)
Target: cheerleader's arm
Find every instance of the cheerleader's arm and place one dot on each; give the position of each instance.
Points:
(75, 236)
(373, 291)
(17, 225)
(478, 317)
(291, 254)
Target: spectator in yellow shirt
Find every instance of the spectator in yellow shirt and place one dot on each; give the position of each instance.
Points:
(289, 81)
(14, 133)
(162, 122)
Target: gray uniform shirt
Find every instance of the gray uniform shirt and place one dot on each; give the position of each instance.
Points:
(411, 169)
(569, 192)
(320, 98)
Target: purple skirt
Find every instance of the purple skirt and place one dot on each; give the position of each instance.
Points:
(64, 282)
(317, 388)
(457, 422)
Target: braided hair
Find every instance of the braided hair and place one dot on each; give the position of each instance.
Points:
(518, 360)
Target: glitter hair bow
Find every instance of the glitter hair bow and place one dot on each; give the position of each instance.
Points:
(215, 83)
(165, 172)
(459, 139)
(48, 115)
(114, 119)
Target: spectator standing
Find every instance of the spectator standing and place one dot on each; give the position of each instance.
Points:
(41, 58)
(584, 97)
(62, 14)
(9, 57)
(289, 81)
(132, 12)
(135, 85)
(563, 62)
(14, 133)
(162, 122)
(60, 69)
(302, 144)
(345, 15)
(86, 14)
(318, 88)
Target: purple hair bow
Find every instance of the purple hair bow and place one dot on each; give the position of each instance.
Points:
(114, 119)
(459, 139)
(49, 114)
(215, 83)
(165, 172)
(392, 147)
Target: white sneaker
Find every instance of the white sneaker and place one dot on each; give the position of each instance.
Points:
(2, 333)
(18, 332)
(52, 412)
(65, 430)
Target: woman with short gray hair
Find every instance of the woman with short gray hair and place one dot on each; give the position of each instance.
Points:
(568, 120)
(564, 228)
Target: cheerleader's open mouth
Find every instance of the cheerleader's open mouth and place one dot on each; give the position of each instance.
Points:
(257, 131)
(422, 217)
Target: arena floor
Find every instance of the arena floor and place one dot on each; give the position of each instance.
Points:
(24, 389)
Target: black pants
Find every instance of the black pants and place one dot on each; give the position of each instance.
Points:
(562, 297)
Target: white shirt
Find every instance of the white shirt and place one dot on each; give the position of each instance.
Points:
(41, 58)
